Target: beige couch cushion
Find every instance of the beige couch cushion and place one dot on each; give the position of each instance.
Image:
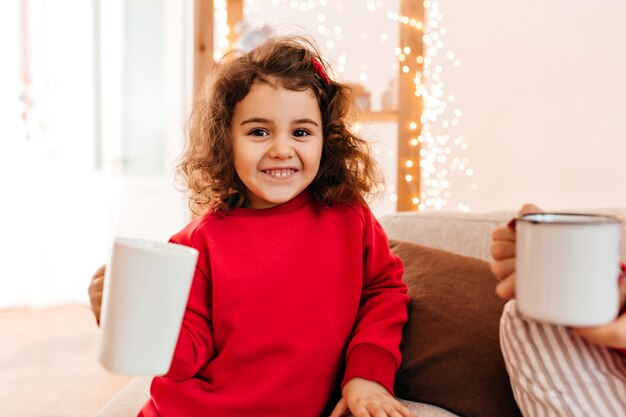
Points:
(463, 233)
(128, 401)
(467, 234)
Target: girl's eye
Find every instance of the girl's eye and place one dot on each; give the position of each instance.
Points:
(301, 133)
(258, 132)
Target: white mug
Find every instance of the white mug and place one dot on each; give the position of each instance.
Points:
(567, 268)
(146, 287)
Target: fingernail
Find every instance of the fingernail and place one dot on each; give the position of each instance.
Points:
(511, 223)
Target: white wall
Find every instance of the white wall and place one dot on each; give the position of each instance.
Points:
(542, 85)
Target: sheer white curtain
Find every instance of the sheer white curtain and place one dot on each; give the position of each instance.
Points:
(68, 138)
(45, 150)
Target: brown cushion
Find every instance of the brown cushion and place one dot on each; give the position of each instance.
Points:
(450, 349)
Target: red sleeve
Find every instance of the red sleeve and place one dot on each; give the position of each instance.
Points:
(374, 351)
(195, 341)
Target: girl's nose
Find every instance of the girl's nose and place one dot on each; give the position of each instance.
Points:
(281, 148)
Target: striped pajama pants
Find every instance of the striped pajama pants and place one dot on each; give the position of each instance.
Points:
(555, 373)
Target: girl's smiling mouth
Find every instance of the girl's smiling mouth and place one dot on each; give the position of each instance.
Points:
(280, 172)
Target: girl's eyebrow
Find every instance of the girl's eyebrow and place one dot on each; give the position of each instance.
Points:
(262, 120)
(255, 120)
(310, 121)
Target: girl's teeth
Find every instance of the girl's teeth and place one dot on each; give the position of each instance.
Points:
(280, 173)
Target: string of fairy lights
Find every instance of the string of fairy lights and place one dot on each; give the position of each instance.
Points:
(440, 116)
(441, 146)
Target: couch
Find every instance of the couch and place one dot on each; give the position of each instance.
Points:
(461, 243)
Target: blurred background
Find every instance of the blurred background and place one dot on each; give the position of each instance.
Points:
(521, 102)
(469, 107)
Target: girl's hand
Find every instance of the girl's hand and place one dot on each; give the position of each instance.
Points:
(503, 253)
(365, 398)
(95, 291)
(612, 334)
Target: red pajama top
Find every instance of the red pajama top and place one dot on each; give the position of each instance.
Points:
(285, 304)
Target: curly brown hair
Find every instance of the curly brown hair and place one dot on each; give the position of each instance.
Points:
(347, 171)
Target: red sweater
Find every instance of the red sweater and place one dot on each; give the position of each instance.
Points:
(285, 303)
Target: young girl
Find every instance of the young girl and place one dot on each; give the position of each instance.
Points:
(557, 371)
(296, 290)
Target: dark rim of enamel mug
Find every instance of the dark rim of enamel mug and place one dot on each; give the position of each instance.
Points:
(593, 218)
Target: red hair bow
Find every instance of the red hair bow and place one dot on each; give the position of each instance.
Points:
(319, 70)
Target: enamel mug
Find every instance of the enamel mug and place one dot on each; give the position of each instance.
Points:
(567, 268)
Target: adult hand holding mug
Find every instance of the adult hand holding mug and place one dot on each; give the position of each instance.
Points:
(504, 252)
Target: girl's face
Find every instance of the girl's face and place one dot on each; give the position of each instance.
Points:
(277, 143)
